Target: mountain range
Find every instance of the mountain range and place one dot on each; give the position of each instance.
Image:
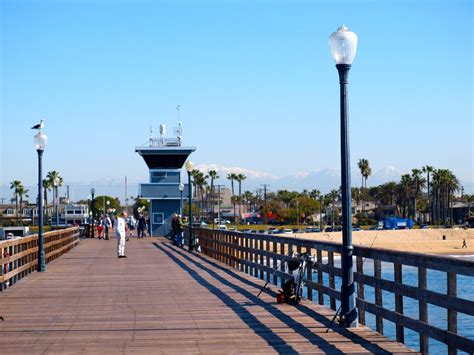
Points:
(323, 180)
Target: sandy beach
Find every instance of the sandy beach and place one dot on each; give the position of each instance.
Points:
(426, 241)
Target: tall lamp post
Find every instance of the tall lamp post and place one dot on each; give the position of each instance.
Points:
(189, 168)
(181, 189)
(343, 44)
(40, 140)
(92, 210)
(56, 183)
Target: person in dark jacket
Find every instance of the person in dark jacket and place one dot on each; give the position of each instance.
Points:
(141, 226)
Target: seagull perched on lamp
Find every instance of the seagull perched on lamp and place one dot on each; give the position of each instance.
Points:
(39, 125)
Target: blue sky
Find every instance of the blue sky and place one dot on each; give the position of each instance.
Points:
(255, 80)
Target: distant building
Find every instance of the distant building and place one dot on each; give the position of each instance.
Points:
(165, 158)
(74, 214)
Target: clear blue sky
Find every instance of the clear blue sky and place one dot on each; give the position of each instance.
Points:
(255, 80)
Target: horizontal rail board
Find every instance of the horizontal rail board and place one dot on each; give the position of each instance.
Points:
(258, 255)
(444, 336)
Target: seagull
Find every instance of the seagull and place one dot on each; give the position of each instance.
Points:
(38, 126)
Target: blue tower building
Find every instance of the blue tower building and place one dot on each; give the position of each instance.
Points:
(165, 158)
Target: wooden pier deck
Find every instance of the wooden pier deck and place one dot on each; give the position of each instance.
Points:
(163, 300)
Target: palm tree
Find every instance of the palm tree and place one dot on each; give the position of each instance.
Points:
(213, 175)
(405, 189)
(52, 176)
(22, 192)
(16, 186)
(332, 196)
(365, 171)
(248, 197)
(47, 185)
(199, 181)
(240, 178)
(427, 170)
(232, 177)
(418, 183)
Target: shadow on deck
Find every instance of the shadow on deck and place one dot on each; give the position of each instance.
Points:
(162, 299)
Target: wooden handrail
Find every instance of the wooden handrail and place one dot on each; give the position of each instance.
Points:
(19, 257)
(259, 255)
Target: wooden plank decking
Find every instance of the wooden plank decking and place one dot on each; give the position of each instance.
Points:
(162, 300)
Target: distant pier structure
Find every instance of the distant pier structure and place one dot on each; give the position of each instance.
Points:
(165, 158)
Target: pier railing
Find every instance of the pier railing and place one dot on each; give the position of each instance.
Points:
(19, 257)
(260, 255)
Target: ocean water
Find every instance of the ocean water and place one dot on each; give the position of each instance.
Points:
(436, 281)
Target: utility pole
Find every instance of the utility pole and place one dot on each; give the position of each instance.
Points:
(126, 198)
(67, 186)
(265, 199)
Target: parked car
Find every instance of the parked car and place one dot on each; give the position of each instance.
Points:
(336, 229)
(222, 221)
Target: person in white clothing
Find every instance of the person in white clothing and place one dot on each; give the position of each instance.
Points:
(120, 234)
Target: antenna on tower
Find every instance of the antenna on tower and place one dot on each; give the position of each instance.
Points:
(151, 136)
(162, 133)
(179, 130)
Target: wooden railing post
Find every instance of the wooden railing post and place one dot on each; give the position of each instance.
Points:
(275, 261)
(309, 276)
(423, 309)
(332, 284)
(319, 258)
(360, 287)
(378, 295)
(452, 314)
(400, 331)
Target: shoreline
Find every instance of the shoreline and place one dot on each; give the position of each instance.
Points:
(424, 241)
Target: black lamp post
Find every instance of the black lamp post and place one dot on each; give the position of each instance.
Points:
(192, 241)
(40, 144)
(56, 183)
(92, 210)
(343, 45)
(181, 189)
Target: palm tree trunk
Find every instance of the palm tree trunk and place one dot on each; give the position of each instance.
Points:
(16, 205)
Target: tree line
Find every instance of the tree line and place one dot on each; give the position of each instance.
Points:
(426, 190)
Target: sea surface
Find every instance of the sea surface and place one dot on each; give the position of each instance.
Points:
(437, 282)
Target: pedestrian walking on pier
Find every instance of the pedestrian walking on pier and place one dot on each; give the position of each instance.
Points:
(107, 224)
(141, 226)
(120, 234)
(464, 243)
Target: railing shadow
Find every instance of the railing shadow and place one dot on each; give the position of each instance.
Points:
(287, 320)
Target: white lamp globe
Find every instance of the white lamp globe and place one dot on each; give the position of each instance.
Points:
(189, 166)
(40, 140)
(181, 187)
(343, 44)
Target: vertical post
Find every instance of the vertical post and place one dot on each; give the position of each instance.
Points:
(41, 255)
(56, 200)
(348, 309)
(181, 203)
(309, 275)
(423, 309)
(190, 191)
(92, 210)
(332, 283)
(378, 295)
(360, 288)
(452, 314)
(400, 334)
(319, 256)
